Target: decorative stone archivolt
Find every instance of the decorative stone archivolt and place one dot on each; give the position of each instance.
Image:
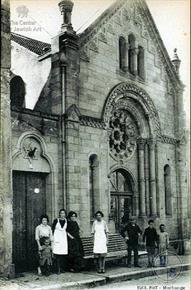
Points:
(123, 135)
(131, 91)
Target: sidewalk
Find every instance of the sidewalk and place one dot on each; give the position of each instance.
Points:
(90, 278)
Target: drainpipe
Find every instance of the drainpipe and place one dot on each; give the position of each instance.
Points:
(63, 130)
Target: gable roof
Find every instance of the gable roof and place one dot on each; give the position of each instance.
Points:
(105, 15)
(89, 32)
(36, 46)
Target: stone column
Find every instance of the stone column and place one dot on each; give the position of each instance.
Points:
(136, 204)
(152, 177)
(135, 62)
(141, 147)
(6, 197)
(147, 179)
(126, 56)
(157, 181)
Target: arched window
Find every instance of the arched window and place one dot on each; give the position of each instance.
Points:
(122, 54)
(121, 197)
(94, 184)
(17, 92)
(140, 62)
(131, 53)
(167, 190)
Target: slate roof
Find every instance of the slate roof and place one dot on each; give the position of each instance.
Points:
(31, 44)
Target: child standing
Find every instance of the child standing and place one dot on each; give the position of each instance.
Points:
(100, 232)
(163, 245)
(151, 238)
(46, 257)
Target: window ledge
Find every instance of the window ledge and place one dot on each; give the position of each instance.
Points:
(131, 76)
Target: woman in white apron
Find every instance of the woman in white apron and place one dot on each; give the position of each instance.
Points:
(100, 232)
(60, 241)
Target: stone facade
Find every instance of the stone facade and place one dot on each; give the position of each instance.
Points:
(103, 136)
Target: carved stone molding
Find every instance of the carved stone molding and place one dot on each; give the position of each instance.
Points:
(141, 143)
(92, 122)
(31, 153)
(73, 114)
(152, 143)
(102, 37)
(167, 139)
(93, 45)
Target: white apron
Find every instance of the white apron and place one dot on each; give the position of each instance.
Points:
(60, 241)
(100, 238)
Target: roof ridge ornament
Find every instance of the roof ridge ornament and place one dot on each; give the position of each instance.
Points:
(66, 7)
(176, 61)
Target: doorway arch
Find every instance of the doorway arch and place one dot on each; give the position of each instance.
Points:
(122, 196)
(33, 195)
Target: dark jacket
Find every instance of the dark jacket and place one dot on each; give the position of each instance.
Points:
(151, 237)
(75, 247)
(132, 232)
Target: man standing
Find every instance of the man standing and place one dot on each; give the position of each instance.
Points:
(131, 233)
(151, 238)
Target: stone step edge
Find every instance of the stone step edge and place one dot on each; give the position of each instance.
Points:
(102, 280)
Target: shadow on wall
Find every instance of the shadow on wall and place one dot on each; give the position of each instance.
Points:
(44, 102)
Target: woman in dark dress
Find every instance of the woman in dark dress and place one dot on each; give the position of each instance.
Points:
(75, 247)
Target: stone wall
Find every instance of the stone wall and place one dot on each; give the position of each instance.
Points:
(44, 131)
(101, 73)
(5, 146)
(93, 141)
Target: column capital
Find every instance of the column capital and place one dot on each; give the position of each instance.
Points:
(151, 142)
(135, 50)
(141, 143)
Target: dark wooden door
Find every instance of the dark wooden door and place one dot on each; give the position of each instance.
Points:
(29, 203)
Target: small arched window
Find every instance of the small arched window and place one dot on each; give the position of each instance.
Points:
(17, 92)
(167, 189)
(140, 62)
(131, 54)
(122, 54)
(94, 184)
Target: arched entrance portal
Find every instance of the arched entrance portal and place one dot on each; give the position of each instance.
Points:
(32, 196)
(121, 197)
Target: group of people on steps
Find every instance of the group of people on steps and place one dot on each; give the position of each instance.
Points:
(62, 243)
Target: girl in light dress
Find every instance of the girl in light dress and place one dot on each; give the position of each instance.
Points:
(42, 232)
(100, 233)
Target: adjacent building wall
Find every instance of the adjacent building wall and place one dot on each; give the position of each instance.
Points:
(5, 146)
